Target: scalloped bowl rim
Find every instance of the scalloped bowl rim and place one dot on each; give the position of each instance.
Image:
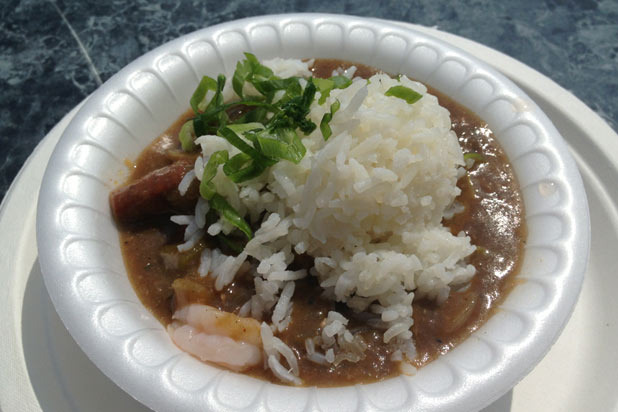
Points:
(83, 271)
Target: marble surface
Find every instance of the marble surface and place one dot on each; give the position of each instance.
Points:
(55, 53)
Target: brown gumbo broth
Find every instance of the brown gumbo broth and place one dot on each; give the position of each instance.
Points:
(492, 217)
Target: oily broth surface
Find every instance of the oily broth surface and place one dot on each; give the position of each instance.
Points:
(492, 217)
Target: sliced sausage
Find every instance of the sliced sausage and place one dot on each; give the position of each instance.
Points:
(153, 194)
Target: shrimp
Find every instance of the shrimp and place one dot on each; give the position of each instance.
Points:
(218, 337)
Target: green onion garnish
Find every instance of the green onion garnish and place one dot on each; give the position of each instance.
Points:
(266, 132)
(227, 212)
(187, 136)
(325, 86)
(404, 93)
(324, 124)
(477, 157)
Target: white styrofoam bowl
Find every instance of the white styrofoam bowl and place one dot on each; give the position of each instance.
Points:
(85, 276)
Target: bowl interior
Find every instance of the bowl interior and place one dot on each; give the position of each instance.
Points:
(85, 276)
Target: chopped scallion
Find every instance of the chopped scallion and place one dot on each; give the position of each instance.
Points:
(265, 128)
(227, 212)
(198, 100)
(187, 136)
(210, 171)
(325, 123)
(477, 157)
(404, 93)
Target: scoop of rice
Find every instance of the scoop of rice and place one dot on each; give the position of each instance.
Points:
(367, 204)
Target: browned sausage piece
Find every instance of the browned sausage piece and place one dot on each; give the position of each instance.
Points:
(150, 195)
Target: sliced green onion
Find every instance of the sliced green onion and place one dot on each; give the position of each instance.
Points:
(217, 99)
(207, 189)
(230, 214)
(341, 82)
(273, 148)
(286, 145)
(307, 97)
(234, 138)
(236, 163)
(243, 71)
(259, 71)
(187, 136)
(215, 200)
(477, 157)
(243, 167)
(252, 171)
(297, 149)
(324, 124)
(268, 88)
(265, 133)
(404, 93)
(245, 127)
(209, 114)
(325, 86)
(198, 99)
(250, 70)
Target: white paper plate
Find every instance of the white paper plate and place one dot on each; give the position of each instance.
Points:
(79, 249)
(65, 379)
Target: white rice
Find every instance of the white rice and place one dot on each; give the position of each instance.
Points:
(337, 342)
(225, 271)
(201, 208)
(275, 349)
(282, 314)
(186, 182)
(367, 205)
(205, 262)
(182, 219)
(215, 229)
(192, 236)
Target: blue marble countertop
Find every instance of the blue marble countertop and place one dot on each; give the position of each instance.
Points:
(55, 53)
